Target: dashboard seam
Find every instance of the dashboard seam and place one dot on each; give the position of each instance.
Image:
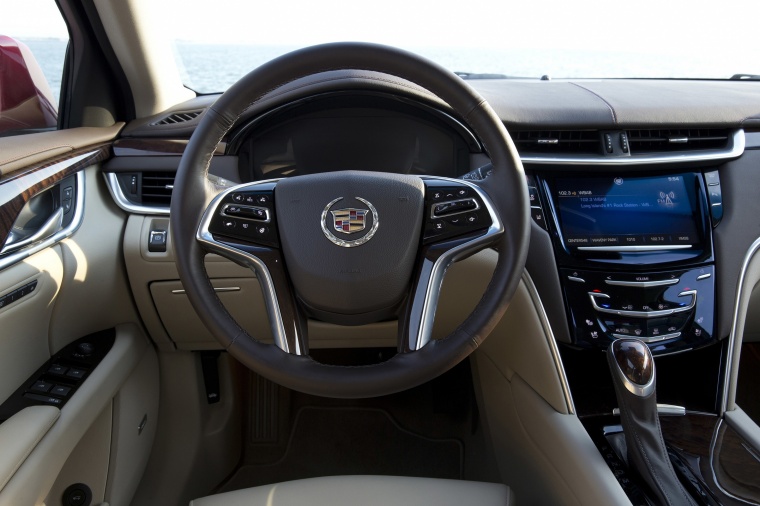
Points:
(609, 106)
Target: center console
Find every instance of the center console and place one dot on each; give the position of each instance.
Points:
(634, 252)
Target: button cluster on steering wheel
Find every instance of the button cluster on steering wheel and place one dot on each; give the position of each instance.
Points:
(453, 210)
(247, 215)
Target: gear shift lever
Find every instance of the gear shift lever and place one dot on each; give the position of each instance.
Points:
(633, 375)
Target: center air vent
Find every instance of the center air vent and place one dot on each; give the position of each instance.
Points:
(178, 117)
(157, 188)
(669, 140)
(558, 141)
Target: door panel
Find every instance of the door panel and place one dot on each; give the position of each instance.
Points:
(24, 343)
(64, 284)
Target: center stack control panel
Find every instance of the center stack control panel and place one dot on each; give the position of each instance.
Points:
(634, 254)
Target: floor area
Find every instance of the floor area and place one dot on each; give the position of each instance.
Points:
(430, 431)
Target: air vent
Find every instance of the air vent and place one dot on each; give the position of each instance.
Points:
(558, 141)
(672, 140)
(178, 117)
(157, 188)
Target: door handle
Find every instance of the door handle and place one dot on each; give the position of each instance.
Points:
(48, 229)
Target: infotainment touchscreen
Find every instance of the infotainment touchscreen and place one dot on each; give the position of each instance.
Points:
(627, 213)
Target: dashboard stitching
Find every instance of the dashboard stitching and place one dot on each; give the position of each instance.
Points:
(609, 106)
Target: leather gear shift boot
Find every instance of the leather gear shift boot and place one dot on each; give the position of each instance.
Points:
(633, 375)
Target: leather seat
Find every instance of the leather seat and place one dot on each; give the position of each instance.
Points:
(366, 491)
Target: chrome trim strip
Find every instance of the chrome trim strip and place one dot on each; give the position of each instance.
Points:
(76, 221)
(732, 356)
(662, 410)
(650, 339)
(644, 284)
(218, 290)
(713, 444)
(262, 272)
(576, 279)
(123, 202)
(428, 294)
(633, 248)
(735, 151)
(551, 341)
(703, 276)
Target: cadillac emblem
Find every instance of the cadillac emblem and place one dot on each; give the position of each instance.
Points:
(349, 220)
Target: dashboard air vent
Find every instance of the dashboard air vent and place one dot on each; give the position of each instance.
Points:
(157, 188)
(670, 140)
(178, 117)
(558, 141)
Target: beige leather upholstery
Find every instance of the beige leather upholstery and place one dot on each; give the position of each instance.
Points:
(366, 491)
(20, 434)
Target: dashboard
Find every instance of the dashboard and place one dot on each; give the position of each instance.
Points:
(624, 217)
(632, 235)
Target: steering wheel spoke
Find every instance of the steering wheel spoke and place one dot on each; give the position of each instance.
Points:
(240, 225)
(460, 221)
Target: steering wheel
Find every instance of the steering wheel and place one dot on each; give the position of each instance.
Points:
(350, 247)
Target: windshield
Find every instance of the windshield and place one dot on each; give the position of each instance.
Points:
(560, 39)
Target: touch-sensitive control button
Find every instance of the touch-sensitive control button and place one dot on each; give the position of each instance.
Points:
(533, 196)
(646, 312)
(538, 216)
(712, 178)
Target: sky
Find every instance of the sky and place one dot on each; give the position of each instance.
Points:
(646, 25)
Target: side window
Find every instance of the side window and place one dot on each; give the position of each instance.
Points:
(33, 40)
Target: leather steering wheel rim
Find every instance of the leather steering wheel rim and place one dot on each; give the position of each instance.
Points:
(506, 187)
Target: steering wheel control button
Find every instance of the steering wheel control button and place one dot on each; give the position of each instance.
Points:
(348, 221)
(242, 214)
(454, 210)
(453, 207)
(246, 212)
